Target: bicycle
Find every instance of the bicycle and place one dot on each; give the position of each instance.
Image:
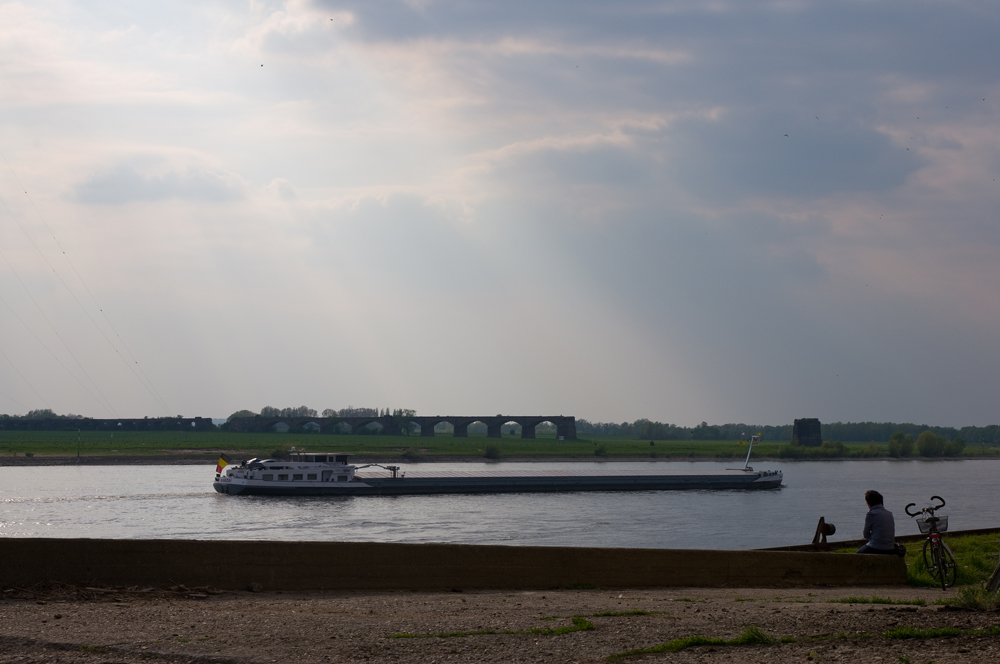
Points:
(938, 559)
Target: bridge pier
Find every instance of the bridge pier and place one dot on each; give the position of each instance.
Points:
(390, 426)
(566, 428)
(427, 425)
(528, 427)
(461, 425)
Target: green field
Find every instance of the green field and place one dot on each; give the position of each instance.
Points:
(98, 443)
(95, 443)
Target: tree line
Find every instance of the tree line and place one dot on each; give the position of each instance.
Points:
(927, 444)
(851, 432)
(42, 414)
(306, 411)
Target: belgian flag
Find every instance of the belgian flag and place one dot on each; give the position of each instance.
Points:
(223, 462)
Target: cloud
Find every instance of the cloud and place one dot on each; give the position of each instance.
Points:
(283, 189)
(593, 204)
(760, 154)
(125, 183)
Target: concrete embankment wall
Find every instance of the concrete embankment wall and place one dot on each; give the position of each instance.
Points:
(361, 565)
(855, 544)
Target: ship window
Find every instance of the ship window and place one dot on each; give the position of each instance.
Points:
(341, 458)
(320, 458)
(268, 477)
(297, 476)
(283, 476)
(342, 478)
(311, 476)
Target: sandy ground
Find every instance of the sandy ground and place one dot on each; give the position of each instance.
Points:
(72, 625)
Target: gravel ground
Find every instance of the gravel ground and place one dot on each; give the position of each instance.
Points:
(66, 624)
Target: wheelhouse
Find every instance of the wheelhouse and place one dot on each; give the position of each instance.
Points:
(301, 467)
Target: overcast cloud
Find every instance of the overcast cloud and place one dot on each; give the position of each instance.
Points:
(687, 211)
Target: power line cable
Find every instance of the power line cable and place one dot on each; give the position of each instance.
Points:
(73, 295)
(51, 352)
(106, 406)
(151, 388)
(11, 362)
(14, 400)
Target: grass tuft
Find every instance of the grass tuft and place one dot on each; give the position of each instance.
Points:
(917, 633)
(874, 599)
(939, 632)
(753, 635)
(976, 597)
(579, 624)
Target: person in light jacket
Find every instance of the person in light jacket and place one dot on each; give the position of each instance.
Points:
(880, 527)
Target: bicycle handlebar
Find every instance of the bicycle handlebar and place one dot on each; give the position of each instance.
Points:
(929, 508)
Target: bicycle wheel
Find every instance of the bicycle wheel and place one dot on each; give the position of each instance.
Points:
(929, 560)
(942, 572)
(932, 560)
(948, 566)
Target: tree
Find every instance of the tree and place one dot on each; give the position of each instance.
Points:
(41, 414)
(241, 413)
(646, 430)
(705, 432)
(900, 445)
(301, 411)
(954, 446)
(930, 444)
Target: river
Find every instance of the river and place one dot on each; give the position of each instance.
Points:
(179, 502)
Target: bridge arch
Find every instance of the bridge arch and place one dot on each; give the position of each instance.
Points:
(364, 426)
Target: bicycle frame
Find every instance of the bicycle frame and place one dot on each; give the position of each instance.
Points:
(938, 559)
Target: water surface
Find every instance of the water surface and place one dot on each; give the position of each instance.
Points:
(179, 502)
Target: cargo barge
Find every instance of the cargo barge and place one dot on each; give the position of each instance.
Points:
(316, 474)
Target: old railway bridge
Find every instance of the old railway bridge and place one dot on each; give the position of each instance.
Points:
(565, 425)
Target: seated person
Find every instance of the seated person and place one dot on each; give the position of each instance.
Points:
(880, 527)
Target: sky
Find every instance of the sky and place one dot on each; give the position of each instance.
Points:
(684, 211)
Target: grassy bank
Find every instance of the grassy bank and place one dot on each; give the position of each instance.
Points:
(98, 443)
(976, 556)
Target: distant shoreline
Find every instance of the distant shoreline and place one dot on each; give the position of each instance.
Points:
(210, 459)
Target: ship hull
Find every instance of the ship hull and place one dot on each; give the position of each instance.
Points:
(511, 484)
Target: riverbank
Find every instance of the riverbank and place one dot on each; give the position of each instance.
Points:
(192, 446)
(210, 458)
(93, 626)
